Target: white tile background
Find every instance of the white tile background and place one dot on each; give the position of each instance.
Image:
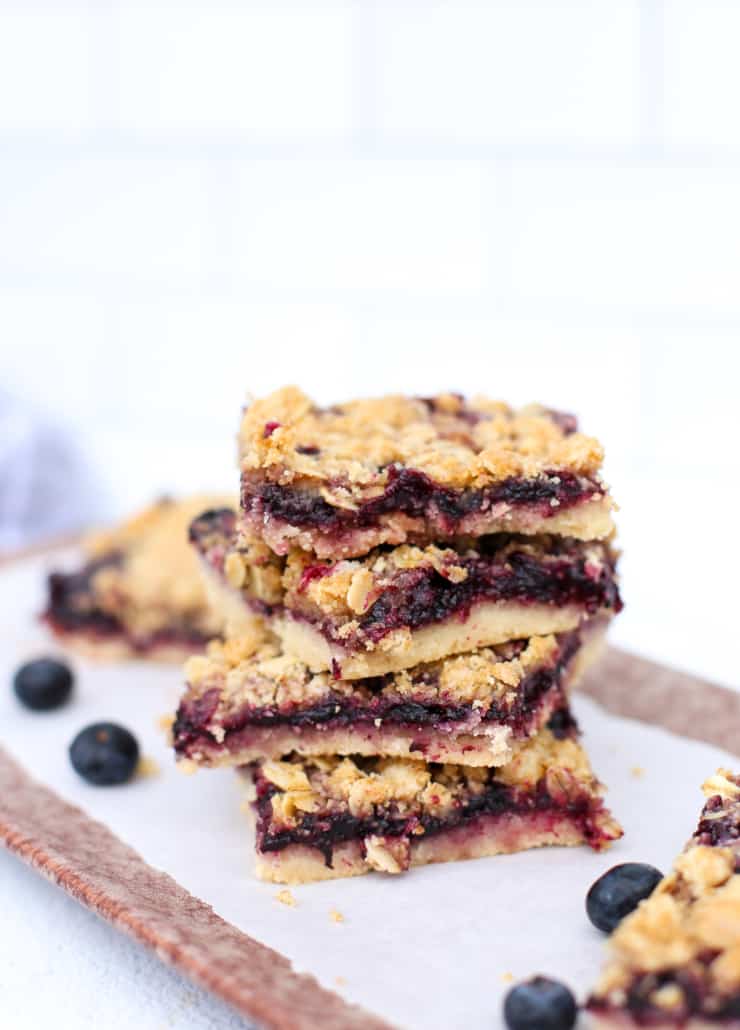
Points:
(535, 199)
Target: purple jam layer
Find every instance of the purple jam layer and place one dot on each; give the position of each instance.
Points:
(413, 493)
(421, 596)
(699, 1003)
(338, 710)
(211, 532)
(71, 609)
(719, 832)
(324, 831)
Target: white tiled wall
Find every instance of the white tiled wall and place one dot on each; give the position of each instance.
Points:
(535, 199)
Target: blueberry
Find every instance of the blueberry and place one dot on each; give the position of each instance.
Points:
(104, 754)
(540, 1004)
(43, 684)
(618, 892)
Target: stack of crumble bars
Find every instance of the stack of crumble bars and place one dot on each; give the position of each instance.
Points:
(412, 588)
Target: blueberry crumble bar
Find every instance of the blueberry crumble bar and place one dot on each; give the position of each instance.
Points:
(326, 817)
(339, 481)
(248, 699)
(140, 590)
(397, 607)
(675, 962)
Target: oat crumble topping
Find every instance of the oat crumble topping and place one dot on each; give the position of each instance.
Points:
(333, 783)
(288, 439)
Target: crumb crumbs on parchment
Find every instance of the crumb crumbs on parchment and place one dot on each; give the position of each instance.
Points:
(285, 897)
(336, 916)
(340, 981)
(637, 771)
(507, 978)
(148, 767)
(164, 722)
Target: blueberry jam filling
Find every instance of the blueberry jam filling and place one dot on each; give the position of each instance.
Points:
(216, 523)
(700, 998)
(418, 597)
(71, 606)
(194, 715)
(325, 830)
(720, 832)
(72, 609)
(562, 724)
(411, 492)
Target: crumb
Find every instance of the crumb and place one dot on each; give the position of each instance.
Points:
(148, 767)
(285, 897)
(164, 722)
(337, 917)
(637, 771)
(187, 766)
(507, 978)
(340, 981)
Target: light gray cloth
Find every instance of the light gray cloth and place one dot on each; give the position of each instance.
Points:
(46, 488)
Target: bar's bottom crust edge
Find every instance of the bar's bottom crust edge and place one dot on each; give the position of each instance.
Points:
(487, 624)
(494, 749)
(116, 649)
(299, 863)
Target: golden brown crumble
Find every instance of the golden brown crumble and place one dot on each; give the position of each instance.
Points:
(252, 670)
(158, 580)
(345, 451)
(251, 566)
(341, 784)
(694, 912)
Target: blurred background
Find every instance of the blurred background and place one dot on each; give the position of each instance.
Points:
(534, 200)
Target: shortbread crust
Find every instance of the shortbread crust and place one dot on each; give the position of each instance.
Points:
(486, 626)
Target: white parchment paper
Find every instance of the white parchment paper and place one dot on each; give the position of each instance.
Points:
(434, 949)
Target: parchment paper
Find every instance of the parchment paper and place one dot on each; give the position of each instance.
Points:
(435, 949)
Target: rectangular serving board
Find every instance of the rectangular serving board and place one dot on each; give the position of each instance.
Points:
(167, 858)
